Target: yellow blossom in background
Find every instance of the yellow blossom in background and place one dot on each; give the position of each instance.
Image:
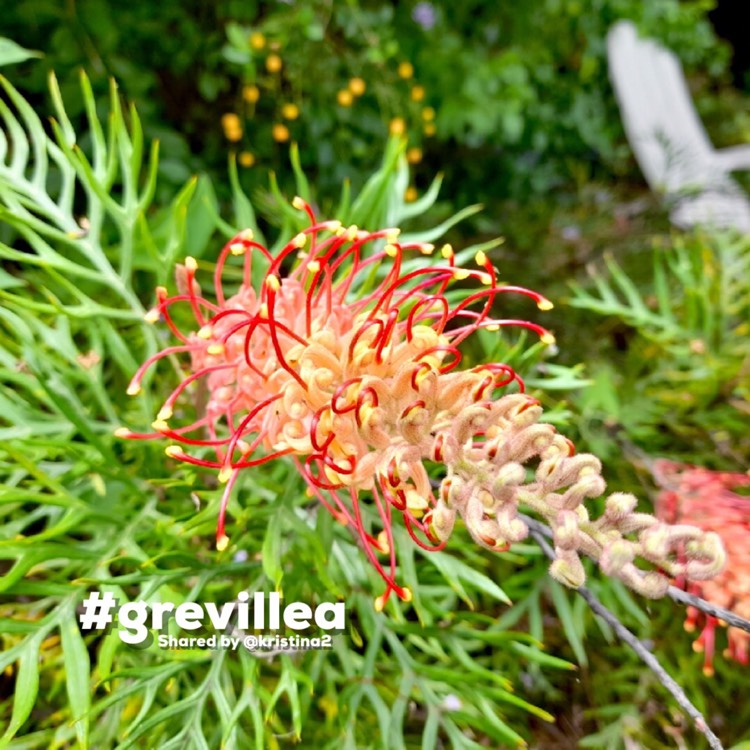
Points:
(397, 126)
(280, 132)
(414, 155)
(410, 194)
(257, 40)
(417, 93)
(273, 63)
(428, 114)
(250, 94)
(405, 69)
(232, 127)
(246, 159)
(429, 129)
(290, 111)
(345, 98)
(357, 86)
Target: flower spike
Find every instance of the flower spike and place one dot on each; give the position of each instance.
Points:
(349, 363)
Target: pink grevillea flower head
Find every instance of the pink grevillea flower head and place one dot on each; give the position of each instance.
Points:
(707, 499)
(345, 358)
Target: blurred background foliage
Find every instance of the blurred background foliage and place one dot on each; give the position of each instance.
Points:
(511, 103)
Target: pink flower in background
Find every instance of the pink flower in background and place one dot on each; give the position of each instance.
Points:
(706, 499)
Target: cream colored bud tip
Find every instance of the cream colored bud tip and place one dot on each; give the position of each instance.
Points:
(173, 451)
(380, 603)
(298, 203)
(122, 432)
(133, 389)
(383, 545)
(273, 283)
(313, 266)
(406, 594)
(544, 304)
(247, 235)
(161, 291)
(152, 316)
(352, 232)
(191, 263)
(215, 349)
(391, 250)
(391, 236)
(447, 252)
(160, 425)
(548, 338)
(481, 258)
(237, 248)
(426, 248)
(165, 412)
(205, 333)
(300, 240)
(460, 274)
(225, 474)
(222, 543)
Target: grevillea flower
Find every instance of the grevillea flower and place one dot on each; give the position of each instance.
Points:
(346, 359)
(706, 498)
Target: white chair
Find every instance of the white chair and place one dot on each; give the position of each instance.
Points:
(668, 139)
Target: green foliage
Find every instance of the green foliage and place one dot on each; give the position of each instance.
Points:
(680, 387)
(520, 93)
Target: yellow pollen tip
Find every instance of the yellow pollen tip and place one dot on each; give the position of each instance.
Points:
(122, 432)
(225, 474)
(309, 492)
(391, 250)
(339, 231)
(447, 252)
(383, 546)
(133, 389)
(300, 240)
(379, 603)
(352, 232)
(152, 316)
(160, 425)
(407, 595)
(481, 258)
(191, 263)
(215, 349)
(333, 225)
(493, 327)
(391, 236)
(544, 304)
(273, 283)
(485, 278)
(243, 447)
(173, 451)
(263, 310)
(298, 203)
(165, 413)
(313, 266)
(426, 248)
(222, 543)
(460, 274)
(205, 333)
(247, 235)
(237, 248)
(161, 291)
(548, 338)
